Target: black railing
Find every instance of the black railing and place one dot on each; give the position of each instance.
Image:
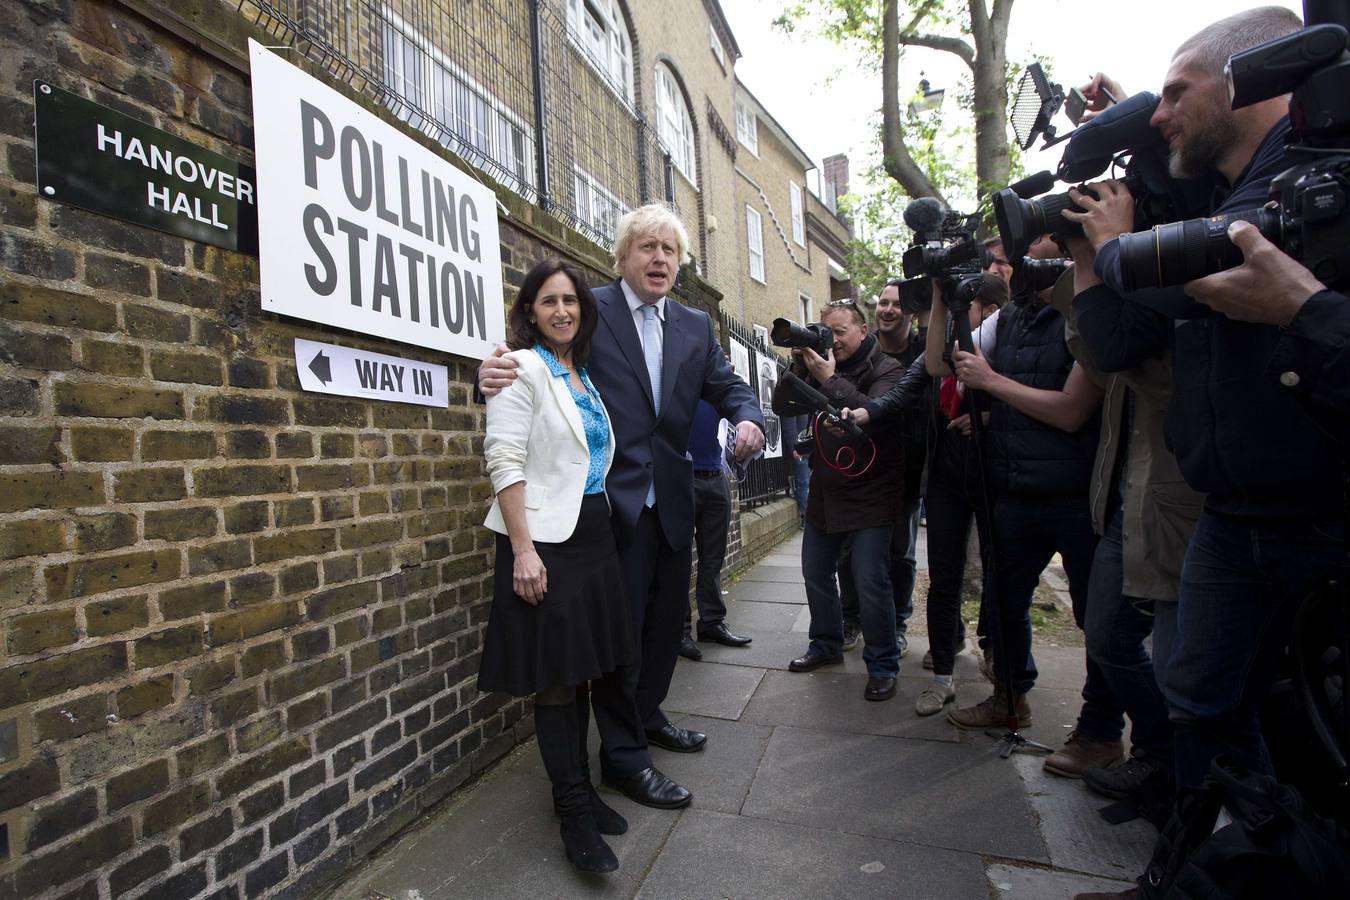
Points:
(539, 94)
(765, 478)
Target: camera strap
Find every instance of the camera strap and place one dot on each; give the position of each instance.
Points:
(845, 458)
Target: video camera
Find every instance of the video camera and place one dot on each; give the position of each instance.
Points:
(1309, 221)
(1120, 135)
(944, 252)
(816, 335)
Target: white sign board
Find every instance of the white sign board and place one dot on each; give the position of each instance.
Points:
(348, 372)
(363, 228)
(740, 360)
(768, 380)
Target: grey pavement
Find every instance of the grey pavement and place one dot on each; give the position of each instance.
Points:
(804, 790)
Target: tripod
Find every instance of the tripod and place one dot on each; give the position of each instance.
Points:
(957, 294)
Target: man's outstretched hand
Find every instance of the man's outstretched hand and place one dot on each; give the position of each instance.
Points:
(496, 373)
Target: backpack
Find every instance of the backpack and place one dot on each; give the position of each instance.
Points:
(1245, 836)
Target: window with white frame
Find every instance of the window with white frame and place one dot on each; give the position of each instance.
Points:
(598, 27)
(804, 301)
(754, 240)
(673, 122)
(472, 122)
(747, 127)
(716, 45)
(595, 206)
(798, 221)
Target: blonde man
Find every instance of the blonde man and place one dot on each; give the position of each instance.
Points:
(652, 359)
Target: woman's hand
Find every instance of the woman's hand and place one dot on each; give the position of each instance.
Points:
(529, 578)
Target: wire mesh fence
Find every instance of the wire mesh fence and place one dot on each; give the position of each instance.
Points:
(539, 94)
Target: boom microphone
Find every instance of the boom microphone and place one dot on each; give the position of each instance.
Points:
(925, 215)
(1033, 185)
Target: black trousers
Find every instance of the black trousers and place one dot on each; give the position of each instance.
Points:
(950, 506)
(656, 580)
(712, 518)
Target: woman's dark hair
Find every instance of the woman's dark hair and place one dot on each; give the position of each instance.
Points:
(521, 333)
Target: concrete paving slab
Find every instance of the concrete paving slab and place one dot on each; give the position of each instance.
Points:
(1076, 836)
(831, 700)
(712, 855)
(781, 574)
(750, 617)
(768, 591)
(719, 775)
(1017, 883)
(502, 833)
(718, 691)
(955, 796)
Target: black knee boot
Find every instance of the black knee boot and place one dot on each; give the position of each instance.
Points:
(556, 731)
(606, 819)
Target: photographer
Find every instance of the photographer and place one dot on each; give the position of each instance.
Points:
(1270, 528)
(854, 496)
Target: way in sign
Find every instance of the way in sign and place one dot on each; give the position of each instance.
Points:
(382, 376)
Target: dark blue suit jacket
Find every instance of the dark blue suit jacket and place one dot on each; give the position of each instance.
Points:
(693, 366)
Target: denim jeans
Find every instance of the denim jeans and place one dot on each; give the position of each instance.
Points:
(1241, 583)
(1117, 625)
(801, 482)
(904, 542)
(1028, 531)
(871, 573)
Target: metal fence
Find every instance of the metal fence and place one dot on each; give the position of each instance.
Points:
(539, 94)
(765, 478)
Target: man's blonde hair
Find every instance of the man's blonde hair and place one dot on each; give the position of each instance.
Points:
(650, 219)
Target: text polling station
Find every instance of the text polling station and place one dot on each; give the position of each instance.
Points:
(362, 227)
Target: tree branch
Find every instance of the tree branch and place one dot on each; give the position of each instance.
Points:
(940, 42)
(895, 156)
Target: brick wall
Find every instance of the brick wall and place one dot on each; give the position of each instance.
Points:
(239, 624)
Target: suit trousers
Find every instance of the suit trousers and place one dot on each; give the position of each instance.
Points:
(656, 581)
(712, 518)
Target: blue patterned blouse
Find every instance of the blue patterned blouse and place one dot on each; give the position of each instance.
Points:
(593, 418)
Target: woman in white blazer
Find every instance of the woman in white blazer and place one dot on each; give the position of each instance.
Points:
(559, 623)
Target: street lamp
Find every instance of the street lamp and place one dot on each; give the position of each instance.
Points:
(931, 98)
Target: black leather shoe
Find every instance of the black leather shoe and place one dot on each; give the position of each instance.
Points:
(650, 788)
(811, 660)
(689, 650)
(672, 737)
(718, 634)
(879, 688)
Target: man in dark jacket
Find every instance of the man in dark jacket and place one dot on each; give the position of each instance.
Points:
(1271, 527)
(856, 494)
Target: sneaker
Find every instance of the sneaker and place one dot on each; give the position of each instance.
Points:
(933, 698)
(990, 713)
(852, 633)
(903, 643)
(1120, 782)
(928, 660)
(1080, 753)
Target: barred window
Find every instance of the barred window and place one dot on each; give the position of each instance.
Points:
(596, 206)
(598, 27)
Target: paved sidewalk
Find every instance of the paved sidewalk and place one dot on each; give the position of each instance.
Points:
(804, 790)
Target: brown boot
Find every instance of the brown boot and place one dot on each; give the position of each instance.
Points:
(1080, 753)
(991, 713)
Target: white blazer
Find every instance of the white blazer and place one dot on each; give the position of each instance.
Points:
(535, 435)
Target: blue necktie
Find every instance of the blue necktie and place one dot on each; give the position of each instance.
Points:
(651, 351)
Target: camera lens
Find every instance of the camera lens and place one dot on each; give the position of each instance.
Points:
(1021, 222)
(1178, 252)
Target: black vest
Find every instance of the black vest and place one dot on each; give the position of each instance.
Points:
(1028, 456)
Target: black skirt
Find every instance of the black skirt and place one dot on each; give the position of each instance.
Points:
(580, 631)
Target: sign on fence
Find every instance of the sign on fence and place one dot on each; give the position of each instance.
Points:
(362, 227)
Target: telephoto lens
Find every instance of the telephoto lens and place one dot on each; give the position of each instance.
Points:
(1178, 252)
(1035, 275)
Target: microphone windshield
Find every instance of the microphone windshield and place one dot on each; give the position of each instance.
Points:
(1033, 185)
(925, 214)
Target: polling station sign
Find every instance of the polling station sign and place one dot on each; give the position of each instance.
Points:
(363, 228)
(348, 372)
(98, 159)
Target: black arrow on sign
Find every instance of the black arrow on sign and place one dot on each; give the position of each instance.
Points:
(319, 365)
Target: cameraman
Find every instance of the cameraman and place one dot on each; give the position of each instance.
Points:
(1270, 529)
(854, 496)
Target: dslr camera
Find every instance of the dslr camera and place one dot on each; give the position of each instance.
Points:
(1309, 220)
(816, 335)
(945, 252)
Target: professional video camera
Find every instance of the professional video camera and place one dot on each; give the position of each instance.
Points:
(1120, 135)
(944, 252)
(1311, 219)
(816, 335)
